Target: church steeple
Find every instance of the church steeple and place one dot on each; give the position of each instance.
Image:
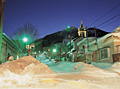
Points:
(81, 30)
(81, 21)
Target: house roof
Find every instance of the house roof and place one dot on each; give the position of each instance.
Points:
(116, 30)
(102, 39)
(84, 40)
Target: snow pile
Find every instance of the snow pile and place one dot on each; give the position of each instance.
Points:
(85, 69)
(115, 67)
(25, 65)
(116, 64)
(63, 67)
(27, 71)
(91, 70)
(102, 65)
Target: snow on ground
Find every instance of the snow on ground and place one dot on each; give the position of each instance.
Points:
(115, 67)
(102, 65)
(67, 75)
(82, 68)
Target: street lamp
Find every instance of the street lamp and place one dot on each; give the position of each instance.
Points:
(25, 40)
(54, 50)
(68, 27)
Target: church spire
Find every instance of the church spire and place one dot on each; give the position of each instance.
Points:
(81, 30)
(81, 21)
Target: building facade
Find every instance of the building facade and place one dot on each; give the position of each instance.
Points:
(105, 48)
(2, 6)
(9, 47)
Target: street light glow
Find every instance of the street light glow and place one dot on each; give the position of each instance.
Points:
(68, 26)
(25, 39)
(54, 50)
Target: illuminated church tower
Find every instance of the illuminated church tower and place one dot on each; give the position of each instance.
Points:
(81, 30)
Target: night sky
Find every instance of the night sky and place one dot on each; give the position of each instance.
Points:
(50, 16)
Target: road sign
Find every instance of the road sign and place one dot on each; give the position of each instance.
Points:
(28, 50)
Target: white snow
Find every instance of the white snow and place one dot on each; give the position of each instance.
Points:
(69, 76)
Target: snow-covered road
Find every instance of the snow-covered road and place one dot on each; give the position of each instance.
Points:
(67, 75)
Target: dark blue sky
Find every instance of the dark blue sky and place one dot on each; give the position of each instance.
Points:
(50, 16)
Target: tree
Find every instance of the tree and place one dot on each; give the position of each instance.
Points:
(27, 30)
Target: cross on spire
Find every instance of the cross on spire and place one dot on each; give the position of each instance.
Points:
(81, 21)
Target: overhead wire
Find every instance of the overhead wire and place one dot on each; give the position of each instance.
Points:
(109, 20)
(84, 10)
(90, 6)
(94, 6)
(105, 14)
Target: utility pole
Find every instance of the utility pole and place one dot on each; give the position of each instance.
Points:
(84, 54)
(87, 39)
(2, 6)
(70, 40)
(69, 28)
(60, 51)
(96, 42)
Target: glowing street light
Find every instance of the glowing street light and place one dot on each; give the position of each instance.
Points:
(54, 50)
(25, 39)
(69, 29)
(68, 26)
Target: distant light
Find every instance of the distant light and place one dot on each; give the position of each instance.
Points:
(35, 52)
(25, 39)
(68, 26)
(48, 49)
(54, 50)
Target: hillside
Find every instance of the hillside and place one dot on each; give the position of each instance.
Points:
(58, 37)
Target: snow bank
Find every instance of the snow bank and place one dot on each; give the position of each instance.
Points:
(91, 70)
(30, 70)
(25, 65)
(102, 65)
(83, 68)
(63, 67)
(116, 64)
(115, 67)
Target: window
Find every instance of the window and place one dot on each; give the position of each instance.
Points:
(104, 53)
(118, 49)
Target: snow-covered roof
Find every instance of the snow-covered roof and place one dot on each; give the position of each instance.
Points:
(81, 41)
(117, 34)
(84, 40)
(116, 30)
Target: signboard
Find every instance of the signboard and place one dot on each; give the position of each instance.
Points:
(28, 50)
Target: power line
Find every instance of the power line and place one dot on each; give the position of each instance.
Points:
(83, 11)
(108, 20)
(105, 14)
(94, 6)
(111, 22)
